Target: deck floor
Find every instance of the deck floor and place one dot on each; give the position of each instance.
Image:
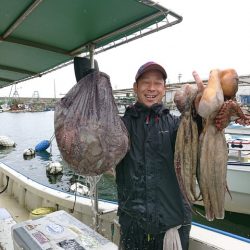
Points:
(17, 214)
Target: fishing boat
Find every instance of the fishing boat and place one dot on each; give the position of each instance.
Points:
(237, 199)
(238, 169)
(38, 37)
(22, 196)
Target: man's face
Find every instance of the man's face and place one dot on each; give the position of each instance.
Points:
(150, 88)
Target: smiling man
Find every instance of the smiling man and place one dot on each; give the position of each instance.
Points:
(149, 198)
(149, 84)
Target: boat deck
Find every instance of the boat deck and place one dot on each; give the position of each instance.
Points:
(200, 239)
(11, 212)
(17, 212)
(8, 205)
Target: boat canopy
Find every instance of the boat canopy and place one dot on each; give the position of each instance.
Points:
(39, 36)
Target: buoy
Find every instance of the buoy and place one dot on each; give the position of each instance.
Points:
(79, 188)
(29, 152)
(54, 178)
(43, 145)
(6, 141)
(54, 168)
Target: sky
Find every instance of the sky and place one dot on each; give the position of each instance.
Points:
(213, 34)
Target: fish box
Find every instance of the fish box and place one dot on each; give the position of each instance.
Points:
(58, 230)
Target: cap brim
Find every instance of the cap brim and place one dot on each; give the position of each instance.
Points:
(153, 67)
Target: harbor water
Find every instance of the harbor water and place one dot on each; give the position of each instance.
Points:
(27, 129)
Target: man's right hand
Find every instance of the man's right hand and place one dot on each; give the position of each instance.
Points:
(201, 87)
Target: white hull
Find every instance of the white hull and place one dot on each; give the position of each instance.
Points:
(238, 182)
(238, 179)
(24, 195)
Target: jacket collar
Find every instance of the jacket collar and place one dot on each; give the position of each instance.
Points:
(137, 108)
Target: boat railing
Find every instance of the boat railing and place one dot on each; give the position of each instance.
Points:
(222, 232)
(238, 143)
(239, 156)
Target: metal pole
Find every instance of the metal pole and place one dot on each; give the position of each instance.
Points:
(54, 89)
(179, 77)
(96, 209)
(91, 57)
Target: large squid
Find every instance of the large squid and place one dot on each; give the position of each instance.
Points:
(216, 104)
(186, 145)
(212, 150)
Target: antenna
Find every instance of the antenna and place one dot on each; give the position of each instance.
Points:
(54, 89)
(179, 77)
(15, 94)
(35, 95)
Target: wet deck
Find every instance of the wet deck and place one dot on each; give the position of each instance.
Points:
(10, 214)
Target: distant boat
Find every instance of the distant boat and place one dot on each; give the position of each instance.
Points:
(233, 125)
(238, 171)
(4, 107)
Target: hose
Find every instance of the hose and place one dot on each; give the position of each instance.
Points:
(7, 178)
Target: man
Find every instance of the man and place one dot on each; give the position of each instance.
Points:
(150, 201)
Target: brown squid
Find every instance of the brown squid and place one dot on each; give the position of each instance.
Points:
(213, 152)
(205, 159)
(186, 146)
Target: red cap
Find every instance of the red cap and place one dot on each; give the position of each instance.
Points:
(150, 66)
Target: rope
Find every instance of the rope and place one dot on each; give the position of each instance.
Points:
(75, 192)
(93, 180)
(8, 178)
(50, 141)
(73, 209)
(52, 138)
(50, 149)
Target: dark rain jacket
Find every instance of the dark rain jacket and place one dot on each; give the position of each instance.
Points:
(148, 191)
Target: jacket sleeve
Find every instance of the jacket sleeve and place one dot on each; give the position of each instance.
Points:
(127, 121)
(174, 122)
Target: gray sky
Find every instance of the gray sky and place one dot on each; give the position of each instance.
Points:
(213, 34)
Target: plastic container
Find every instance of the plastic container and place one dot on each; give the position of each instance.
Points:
(58, 230)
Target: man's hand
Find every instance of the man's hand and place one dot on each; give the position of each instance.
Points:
(198, 81)
(200, 87)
